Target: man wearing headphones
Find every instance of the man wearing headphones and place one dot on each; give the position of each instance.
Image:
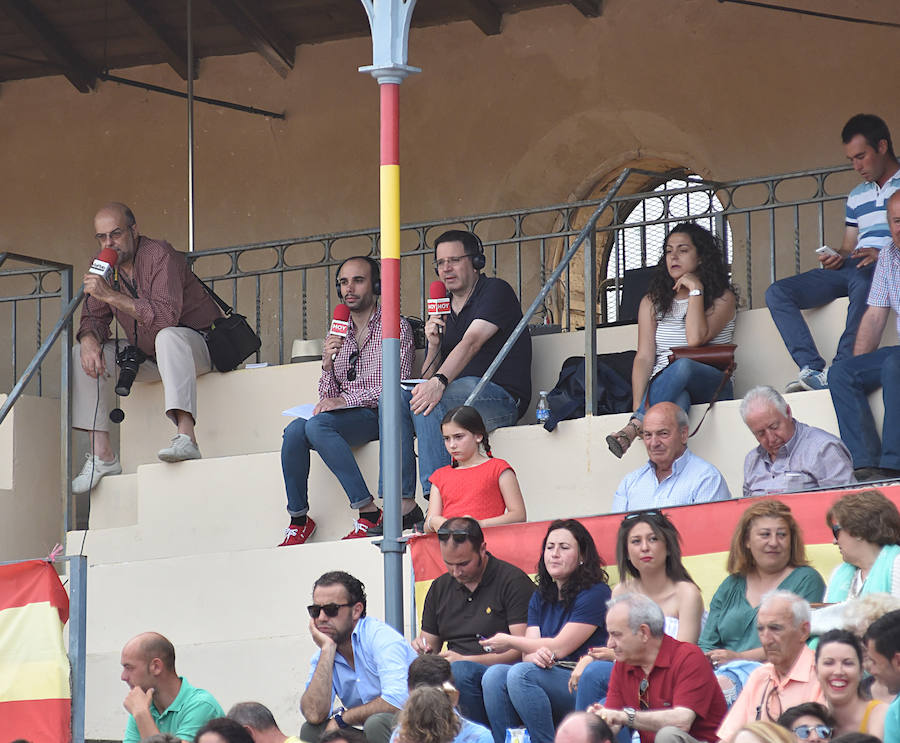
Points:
(347, 412)
(461, 345)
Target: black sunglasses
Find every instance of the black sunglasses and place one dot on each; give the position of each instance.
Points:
(836, 529)
(331, 610)
(351, 372)
(651, 513)
(803, 731)
(642, 691)
(459, 535)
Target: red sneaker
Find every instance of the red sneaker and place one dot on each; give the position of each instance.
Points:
(298, 534)
(362, 525)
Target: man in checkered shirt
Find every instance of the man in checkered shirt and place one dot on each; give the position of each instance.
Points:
(347, 412)
(164, 310)
(851, 380)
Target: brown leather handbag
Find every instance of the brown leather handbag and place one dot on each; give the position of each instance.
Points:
(719, 355)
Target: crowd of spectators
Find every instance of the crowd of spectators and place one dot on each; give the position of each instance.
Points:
(569, 657)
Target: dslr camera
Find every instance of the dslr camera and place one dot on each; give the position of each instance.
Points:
(128, 361)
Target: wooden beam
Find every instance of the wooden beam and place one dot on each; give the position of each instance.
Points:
(589, 8)
(51, 42)
(173, 47)
(262, 33)
(484, 14)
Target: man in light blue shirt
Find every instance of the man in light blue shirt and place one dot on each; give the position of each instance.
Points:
(673, 476)
(360, 659)
(883, 651)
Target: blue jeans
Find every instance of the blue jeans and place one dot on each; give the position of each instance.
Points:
(593, 683)
(849, 382)
(786, 297)
(685, 382)
(467, 676)
(332, 434)
(538, 697)
(495, 404)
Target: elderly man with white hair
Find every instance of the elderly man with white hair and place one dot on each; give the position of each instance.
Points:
(789, 676)
(791, 455)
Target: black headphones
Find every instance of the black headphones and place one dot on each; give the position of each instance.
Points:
(471, 242)
(375, 274)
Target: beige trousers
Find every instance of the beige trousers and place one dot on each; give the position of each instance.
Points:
(181, 356)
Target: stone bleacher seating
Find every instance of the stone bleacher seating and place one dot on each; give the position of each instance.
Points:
(187, 549)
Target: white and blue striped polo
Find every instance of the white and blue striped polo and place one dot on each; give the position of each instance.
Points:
(866, 210)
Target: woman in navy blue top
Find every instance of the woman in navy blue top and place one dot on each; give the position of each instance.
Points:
(566, 616)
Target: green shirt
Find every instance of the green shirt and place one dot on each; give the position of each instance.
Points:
(189, 712)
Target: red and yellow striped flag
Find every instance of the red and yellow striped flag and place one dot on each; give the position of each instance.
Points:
(35, 697)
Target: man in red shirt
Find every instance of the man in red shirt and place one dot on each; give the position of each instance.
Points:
(661, 687)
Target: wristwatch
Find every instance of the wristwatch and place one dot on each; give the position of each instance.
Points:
(442, 379)
(338, 717)
(630, 711)
(695, 293)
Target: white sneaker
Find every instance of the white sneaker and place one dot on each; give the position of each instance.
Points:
(94, 469)
(182, 449)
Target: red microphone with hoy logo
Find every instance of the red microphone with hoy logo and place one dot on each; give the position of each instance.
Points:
(104, 263)
(340, 324)
(439, 302)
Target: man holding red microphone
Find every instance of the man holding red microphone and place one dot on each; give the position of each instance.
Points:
(347, 412)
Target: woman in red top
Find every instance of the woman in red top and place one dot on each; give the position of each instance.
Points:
(475, 484)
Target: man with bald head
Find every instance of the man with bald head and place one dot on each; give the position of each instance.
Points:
(673, 475)
(164, 312)
(159, 700)
(583, 727)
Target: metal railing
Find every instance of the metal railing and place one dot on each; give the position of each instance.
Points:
(29, 290)
(763, 220)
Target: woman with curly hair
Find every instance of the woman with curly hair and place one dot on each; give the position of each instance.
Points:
(767, 554)
(690, 302)
(566, 617)
(427, 717)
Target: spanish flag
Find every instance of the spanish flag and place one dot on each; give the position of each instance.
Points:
(35, 697)
(706, 530)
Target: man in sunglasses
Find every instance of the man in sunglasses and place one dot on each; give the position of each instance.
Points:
(883, 662)
(360, 659)
(662, 687)
(477, 597)
(347, 412)
(789, 676)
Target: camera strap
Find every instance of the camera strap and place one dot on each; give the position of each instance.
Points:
(132, 290)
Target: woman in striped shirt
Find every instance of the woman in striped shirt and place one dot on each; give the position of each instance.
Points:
(690, 302)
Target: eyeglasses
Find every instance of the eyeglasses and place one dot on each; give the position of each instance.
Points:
(771, 702)
(114, 235)
(450, 262)
(351, 372)
(331, 610)
(836, 529)
(643, 696)
(459, 535)
(803, 731)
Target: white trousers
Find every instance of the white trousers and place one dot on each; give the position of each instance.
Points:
(181, 356)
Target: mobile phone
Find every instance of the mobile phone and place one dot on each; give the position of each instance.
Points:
(825, 250)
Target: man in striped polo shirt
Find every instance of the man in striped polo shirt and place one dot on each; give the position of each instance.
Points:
(871, 367)
(867, 145)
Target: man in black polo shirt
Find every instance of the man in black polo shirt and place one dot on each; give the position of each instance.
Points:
(478, 596)
(484, 310)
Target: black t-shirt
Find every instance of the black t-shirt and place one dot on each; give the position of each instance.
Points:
(456, 616)
(495, 301)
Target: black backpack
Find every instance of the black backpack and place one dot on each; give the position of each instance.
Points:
(613, 387)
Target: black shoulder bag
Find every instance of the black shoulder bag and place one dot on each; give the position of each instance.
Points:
(230, 339)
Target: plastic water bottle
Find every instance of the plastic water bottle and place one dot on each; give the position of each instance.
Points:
(542, 413)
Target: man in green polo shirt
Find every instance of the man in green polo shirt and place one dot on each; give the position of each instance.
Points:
(159, 700)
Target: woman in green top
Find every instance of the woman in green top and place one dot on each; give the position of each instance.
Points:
(767, 554)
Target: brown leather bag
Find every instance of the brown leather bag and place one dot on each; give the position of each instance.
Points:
(719, 355)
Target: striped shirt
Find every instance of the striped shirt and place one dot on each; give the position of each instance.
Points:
(671, 333)
(168, 295)
(885, 289)
(365, 389)
(866, 211)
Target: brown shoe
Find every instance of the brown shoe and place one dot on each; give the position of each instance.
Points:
(619, 441)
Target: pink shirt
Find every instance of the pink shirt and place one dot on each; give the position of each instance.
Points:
(800, 685)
